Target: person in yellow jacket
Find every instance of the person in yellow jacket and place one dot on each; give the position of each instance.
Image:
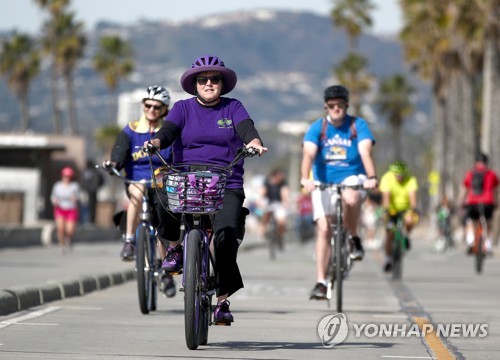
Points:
(399, 195)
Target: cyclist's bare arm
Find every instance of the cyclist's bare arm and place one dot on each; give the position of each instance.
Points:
(413, 199)
(386, 199)
(309, 151)
(365, 148)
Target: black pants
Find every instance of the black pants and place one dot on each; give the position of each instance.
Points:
(225, 224)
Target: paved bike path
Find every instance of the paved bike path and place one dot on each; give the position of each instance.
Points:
(35, 275)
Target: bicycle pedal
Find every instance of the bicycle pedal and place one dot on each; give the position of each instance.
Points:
(221, 324)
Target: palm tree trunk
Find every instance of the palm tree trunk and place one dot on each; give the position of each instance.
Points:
(73, 125)
(488, 80)
(55, 99)
(24, 110)
(438, 110)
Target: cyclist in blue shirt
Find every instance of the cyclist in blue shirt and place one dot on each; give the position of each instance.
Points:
(337, 148)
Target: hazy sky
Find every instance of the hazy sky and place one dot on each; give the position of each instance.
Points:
(25, 15)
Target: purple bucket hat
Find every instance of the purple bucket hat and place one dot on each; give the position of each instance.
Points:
(208, 63)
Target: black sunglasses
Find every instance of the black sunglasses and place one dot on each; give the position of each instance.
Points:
(155, 107)
(202, 80)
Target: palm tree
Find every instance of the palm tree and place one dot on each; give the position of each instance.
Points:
(352, 70)
(353, 16)
(49, 41)
(114, 62)
(442, 42)
(69, 49)
(394, 101)
(425, 37)
(20, 63)
(487, 17)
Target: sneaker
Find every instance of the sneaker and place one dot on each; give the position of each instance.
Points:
(318, 293)
(407, 243)
(128, 251)
(222, 313)
(469, 250)
(388, 266)
(173, 260)
(357, 252)
(168, 285)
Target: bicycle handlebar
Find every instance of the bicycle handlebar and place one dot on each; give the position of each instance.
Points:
(111, 170)
(338, 186)
(241, 153)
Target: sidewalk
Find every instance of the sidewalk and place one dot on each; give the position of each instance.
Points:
(35, 275)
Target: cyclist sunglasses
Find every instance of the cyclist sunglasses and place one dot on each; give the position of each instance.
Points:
(202, 80)
(155, 107)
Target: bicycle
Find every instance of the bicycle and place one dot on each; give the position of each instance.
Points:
(273, 237)
(399, 245)
(147, 259)
(196, 191)
(479, 248)
(445, 240)
(340, 261)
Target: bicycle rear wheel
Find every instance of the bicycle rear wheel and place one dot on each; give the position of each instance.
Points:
(204, 322)
(192, 289)
(272, 238)
(146, 286)
(479, 254)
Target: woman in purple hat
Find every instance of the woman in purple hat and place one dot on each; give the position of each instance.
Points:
(209, 128)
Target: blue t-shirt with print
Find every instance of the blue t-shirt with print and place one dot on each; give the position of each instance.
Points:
(338, 155)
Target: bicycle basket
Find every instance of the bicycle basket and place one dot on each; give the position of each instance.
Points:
(194, 192)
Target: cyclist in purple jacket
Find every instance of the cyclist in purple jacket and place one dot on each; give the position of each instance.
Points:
(209, 128)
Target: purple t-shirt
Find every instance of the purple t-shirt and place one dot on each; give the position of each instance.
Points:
(208, 134)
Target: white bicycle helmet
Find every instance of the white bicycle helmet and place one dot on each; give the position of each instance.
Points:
(156, 92)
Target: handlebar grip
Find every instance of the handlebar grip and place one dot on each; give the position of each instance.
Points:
(251, 151)
(150, 148)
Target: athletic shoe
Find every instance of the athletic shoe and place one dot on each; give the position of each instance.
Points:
(388, 266)
(173, 260)
(222, 313)
(128, 251)
(318, 293)
(407, 243)
(358, 252)
(168, 285)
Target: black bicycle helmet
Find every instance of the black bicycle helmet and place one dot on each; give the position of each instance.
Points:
(482, 157)
(336, 92)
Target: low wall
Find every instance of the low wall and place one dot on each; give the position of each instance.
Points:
(17, 236)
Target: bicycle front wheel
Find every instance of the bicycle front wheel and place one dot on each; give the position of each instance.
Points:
(145, 276)
(192, 289)
(339, 268)
(397, 256)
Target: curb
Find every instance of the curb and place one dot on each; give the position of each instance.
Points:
(21, 298)
(24, 297)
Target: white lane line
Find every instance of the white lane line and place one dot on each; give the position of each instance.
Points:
(37, 324)
(408, 357)
(82, 308)
(29, 316)
(395, 316)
